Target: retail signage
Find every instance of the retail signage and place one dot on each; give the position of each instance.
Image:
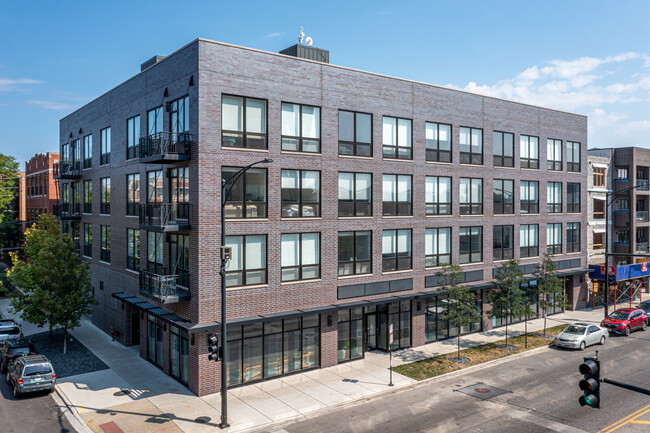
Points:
(390, 334)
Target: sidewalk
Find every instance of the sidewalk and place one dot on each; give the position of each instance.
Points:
(156, 402)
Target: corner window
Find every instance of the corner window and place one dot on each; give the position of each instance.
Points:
(554, 154)
(396, 195)
(397, 138)
(471, 244)
(396, 250)
(248, 264)
(355, 194)
(504, 149)
(300, 256)
(133, 137)
(300, 193)
(437, 247)
(529, 196)
(554, 239)
(471, 196)
(300, 128)
(573, 156)
(247, 197)
(243, 122)
(503, 242)
(438, 142)
(355, 133)
(471, 146)
(529, 240)
(529, 152)
(355, 253)
(554, 197)
(438, 195)
(504, 196)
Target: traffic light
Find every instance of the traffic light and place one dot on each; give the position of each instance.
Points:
(213, 348)
(612, 279)
(590, 385)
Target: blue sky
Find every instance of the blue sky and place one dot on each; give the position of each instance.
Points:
(590, 57)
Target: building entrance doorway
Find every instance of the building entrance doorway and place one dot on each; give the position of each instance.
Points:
(378, 321)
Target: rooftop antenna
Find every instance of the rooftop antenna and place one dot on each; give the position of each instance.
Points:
(302, 35)
(309, 41)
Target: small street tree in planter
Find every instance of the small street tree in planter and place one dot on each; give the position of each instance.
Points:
(507, 298)
(550, 289)
(54, 283)
(460, 309)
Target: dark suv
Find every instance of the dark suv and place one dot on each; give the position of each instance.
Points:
(12, 349)
(31, 373)
(624, 320)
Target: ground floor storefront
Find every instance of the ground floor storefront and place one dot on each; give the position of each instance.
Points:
(628, 285)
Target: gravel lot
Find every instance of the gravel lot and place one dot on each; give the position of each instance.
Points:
(78, 360)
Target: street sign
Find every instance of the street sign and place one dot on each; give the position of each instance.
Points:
(612, 270)
(390, 334)
(644, 267)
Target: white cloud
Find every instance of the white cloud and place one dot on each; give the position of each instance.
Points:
(9, 84)
(52, 105)
(273, 35)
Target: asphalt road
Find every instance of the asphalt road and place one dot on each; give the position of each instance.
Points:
(541, 395)
(32, 413)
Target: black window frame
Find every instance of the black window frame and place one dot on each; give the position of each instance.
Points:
(88, 240)
(395, 149)
(395, 262)
(398, 207)
(471, 158)
(356, 264)
(438, 208)
(133, 251)
(156, 126)
(528, 162)
(105, 196)
(554, 249)
(472, 239)
(571, 165)
(177, 257)
(132, 139)
(132, 207)
(433, 153)
(502, 160)
(553, 207)
(501, 249)
(503, 207)
(300, 267)
(152, 190)
(88, 151)
(529, 207)
(244, 270)
(573, 237)
(300, 138)
(573, 197)
(471, 208)
(356, 207)
(436, 259)
(244, 137)
(356, 144)
(554, 164)
(105, 146)
(157, 252)
(242, 178)
(105, 243)
(528, 250)
(301, 203)
(88, 196)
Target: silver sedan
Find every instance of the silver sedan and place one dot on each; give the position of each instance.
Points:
(581, 335)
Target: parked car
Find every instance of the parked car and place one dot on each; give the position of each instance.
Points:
(10, 329)
(625, 320)
(645, 306)
(581, 335)
(31, 373)
(12, 349)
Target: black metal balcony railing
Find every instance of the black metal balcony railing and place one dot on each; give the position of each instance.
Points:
(621, 185)
(165, 288)
(166, 217)
(68, 211)
(67, 170)
(642, 184)
(642, 247)
(642, 216)
(166, 147)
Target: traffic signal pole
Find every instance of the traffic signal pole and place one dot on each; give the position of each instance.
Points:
(626, 386)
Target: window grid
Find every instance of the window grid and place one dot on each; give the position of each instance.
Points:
(301, 202)
(396, 257)
(400, 201)
(360, 262)
(242, 277)
(529, 240)
(504, 149)
(471, 244)
(302, 143)
(105, 203)
(105, 254)
(471, 146)
(88, 196)
(529, 152)
(246, 136)
(438, 142)
(438, 200)
(573, 156)
(435, 253)
(253, 197)
(358, 146)
(554, 197)
(554, 154)
(573, 197)
(356, 207)
(471, 196)
(105, 146)
(503, 242)
(599, 177)
(301, 270)
(133, 249)
(529, 197)
(572, 237)
(88, 151)
(403, 143)
(554, 239)
(133, 137)
(88, 240)
(133, 194)
(504, 196)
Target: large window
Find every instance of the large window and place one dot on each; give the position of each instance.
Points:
(396, 195)
(471, 244)
(88, 151)
(599, 177)
(438, 142)
(355, 253)
(247, 197)
(503, 196)
(248, 264)
(355, 194)
(554, 238)
(179, 255)
(132, 194)
(88, 240)
(529, 240)
(471, 196)
(105, 204)
(105, 254)
(573, 197)
(572, 237)
(300, 193)
(300, 128)
(262, 350)
(155, 186)
(529, 196)
(554, 154)
(573, 156)
(396, 250)
(154, 121)
(503, 242)
(179, 354)
(133, 137)
(397, 138)
(437, 247)
(179, 115)
(355, 133)
(529, 151)
(243, 122)
(300, 256)
(179, 186)
(155, 252)
(350, 334)
(105, 146)
(438, 195)
(471, 146)
(554, 197)
(504, 149)
(437, 328)
(88, 196)
(133, 249)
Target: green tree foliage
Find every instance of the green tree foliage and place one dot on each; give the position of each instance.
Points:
(550, 287)
(9, 182)
(460, 308)
(54, 283)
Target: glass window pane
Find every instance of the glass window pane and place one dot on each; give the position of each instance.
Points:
(390, 131)
(346, 126)
(289, 249)
(310, 122)
(346, 186)
(255, 252)
(477, 140)
(404, 133)
(388, 242)
(364, 246)
(290, 119)
(310, 249)
(236, 243)
(429, 240)
(388, 188)
(232, 114)
(364, 185)
(444, 137)
(364, 128)
(256, 116)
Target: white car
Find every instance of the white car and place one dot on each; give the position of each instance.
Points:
(581, 335)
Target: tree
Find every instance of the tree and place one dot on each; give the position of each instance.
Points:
(460, 308)
(54, 282)
(9, 182)
(550, 288)
(508, 297)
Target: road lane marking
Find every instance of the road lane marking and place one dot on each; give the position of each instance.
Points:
(638, 421)
(621, 422)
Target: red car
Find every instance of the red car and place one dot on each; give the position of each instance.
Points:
(625, 320)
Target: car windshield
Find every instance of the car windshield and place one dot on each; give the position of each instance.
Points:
(575, 330)
(10, 331)
(617, 315)
(19, 351)
(33, 370)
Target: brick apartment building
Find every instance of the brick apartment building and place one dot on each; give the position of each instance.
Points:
(392, 177)
(41, 193)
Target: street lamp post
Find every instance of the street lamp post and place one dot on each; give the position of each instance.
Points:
(225, 193)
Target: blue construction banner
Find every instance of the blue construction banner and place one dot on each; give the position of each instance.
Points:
(626, 272)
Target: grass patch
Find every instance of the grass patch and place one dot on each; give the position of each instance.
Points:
(431, 367)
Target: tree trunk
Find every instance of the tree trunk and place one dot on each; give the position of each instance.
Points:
(506, 331)
(458, 343)
(65, 341)
(526, 332)
(545, 314)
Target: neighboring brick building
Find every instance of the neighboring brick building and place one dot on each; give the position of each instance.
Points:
(392, 177)
(41, 193)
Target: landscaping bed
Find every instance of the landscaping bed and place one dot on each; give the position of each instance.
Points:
(431, 367)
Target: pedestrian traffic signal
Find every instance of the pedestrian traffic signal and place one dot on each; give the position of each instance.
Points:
(590, 385)
(213, 348)
(611, 279)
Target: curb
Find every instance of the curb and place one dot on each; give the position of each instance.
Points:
(72, 414)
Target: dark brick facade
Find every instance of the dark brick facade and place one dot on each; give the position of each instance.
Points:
(219, 69)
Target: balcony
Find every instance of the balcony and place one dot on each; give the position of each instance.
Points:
(621, 218)
(165, 147)
(621, 247)
(67, 211)
(166, 289)
(67, 170)
(642, 216)
(165, 217)
(642, 184)
(642, 247)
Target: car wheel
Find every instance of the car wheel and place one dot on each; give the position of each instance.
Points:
(583, 345)
(627, 331)
(16, 392)
(644, 326)
(602, 340)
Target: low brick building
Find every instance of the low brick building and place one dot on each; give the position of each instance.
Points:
(390, 177)
(41, 193)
